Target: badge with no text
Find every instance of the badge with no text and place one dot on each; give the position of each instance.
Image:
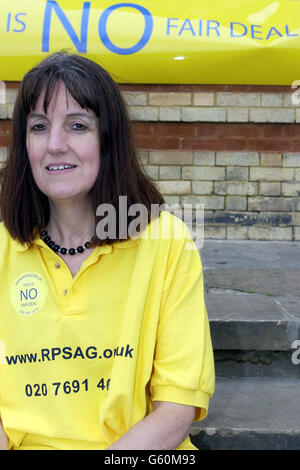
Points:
(28, 293)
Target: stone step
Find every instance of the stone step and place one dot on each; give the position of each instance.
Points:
(254, 334)
(270, 268)
(251, 414)
(280, 282)
(250, 254)
(253, 321)
(252, 292)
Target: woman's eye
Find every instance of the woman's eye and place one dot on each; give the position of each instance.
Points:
(79, 127)
(37, 127)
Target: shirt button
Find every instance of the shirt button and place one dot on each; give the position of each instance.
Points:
(57, 265)
(65, 291)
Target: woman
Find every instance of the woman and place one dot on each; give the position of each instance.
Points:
(104, 332)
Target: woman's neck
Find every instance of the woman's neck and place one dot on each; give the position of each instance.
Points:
(71, 224)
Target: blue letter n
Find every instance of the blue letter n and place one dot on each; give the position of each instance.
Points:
(80, 44)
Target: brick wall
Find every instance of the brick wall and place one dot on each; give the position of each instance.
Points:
(235, 149)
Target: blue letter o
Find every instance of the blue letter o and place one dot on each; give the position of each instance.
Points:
(142, 42)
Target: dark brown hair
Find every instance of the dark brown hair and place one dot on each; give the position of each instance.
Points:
(24, 208)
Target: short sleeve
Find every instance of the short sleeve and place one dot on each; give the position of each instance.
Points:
(183, 369)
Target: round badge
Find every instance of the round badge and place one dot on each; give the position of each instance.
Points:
(28, 293)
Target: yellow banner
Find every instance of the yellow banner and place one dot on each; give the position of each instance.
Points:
(152, 41)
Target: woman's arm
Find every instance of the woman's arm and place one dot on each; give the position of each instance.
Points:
(3, 438)
(164, 429)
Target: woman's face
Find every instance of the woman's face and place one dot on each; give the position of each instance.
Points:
(63, 147)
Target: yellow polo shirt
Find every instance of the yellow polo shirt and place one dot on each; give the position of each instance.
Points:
(82, 359)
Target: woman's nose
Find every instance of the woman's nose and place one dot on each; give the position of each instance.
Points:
(57, 142)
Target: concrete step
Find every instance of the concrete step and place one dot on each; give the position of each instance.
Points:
(250, 254)
(251, 414)
(254, 335)
(253, 321)
(270, 268)
(252, 292)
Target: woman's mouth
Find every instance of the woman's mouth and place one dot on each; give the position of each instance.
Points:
(60, 168)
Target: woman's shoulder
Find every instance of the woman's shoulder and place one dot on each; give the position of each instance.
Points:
(6, 241)
(4, 235)
(177, 247)
(169, 226)
(171, 236)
